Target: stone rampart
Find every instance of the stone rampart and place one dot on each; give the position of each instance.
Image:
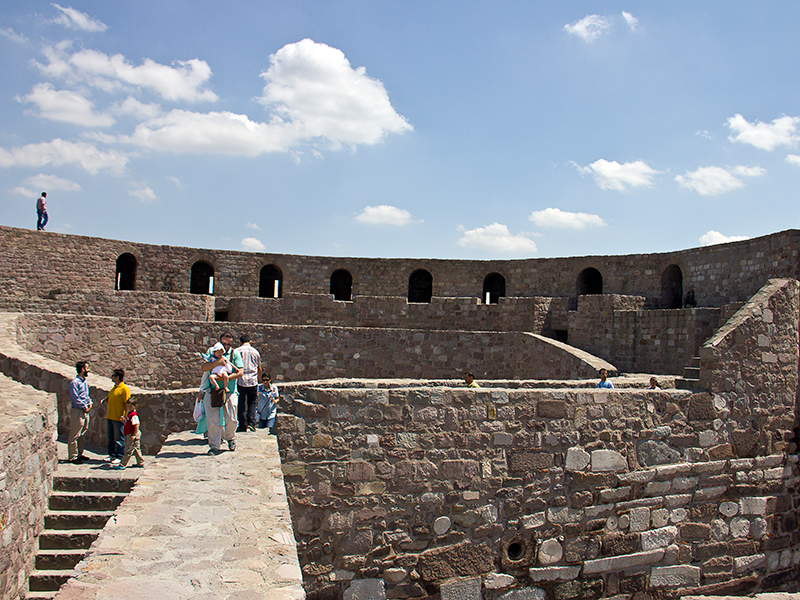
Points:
(161, 412)
(158, 354)
(140, 305)
(457, 314)
(27, 461)
(36, 263)
(415, 492)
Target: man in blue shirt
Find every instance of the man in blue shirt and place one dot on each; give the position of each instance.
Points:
(81, 404)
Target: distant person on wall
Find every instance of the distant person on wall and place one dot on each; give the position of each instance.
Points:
(80, 405)
(469, 379)
(117, 397)
(248, 384)
(41, 212)
(653, 384)
(133, 436)
(604, 382)
(228, 411)
(267, 408)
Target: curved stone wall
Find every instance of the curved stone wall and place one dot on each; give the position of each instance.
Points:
(37, 263)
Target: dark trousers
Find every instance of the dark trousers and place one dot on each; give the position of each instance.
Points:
(247, 407)
(116, 441)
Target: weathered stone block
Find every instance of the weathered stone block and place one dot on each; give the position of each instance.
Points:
(365, 589)
(675, 576)
(527, 462)
(608, 460)
(461, 588)
(459, 560)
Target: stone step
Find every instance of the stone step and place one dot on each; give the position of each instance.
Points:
(67, 539)
(76, 519)
(41, 595)
(85, 501)
(681, 383)
(691, 373)
(48, 581)
(58, 560)
(119, 483)
(694, 362)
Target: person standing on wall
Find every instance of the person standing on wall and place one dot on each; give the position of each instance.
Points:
(248, 384)
(117, 397)
(228, 410)
(81, 404)
(41, 212)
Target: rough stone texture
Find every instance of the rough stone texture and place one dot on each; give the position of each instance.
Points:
(163, 354)
(455, 561)
(365, 589)
(461, 588)
(27, 461)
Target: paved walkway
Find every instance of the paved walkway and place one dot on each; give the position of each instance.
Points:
(196, 527)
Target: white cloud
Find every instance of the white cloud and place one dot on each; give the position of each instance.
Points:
(793, 159)
(66, 106)
(75, 19)
(715, 237)
(60, 152)
(749, 171)
(384, 215)
(250, 244)
(554, 217)
(313, 91)
(139, 110)
(632, 21)
(177, 182)
(15, 37)
(33, 186)
(610, 175)
(589, 28)
(497, 238)
(210, 133)
(765, 136)
(185, 80)
(252, 226)
(712, 181)
(143, 193)
(704, 133)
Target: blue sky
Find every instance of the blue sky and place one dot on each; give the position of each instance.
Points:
(403, 129)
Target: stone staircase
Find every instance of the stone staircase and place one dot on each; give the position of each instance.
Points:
(691, 376)
(78, 509)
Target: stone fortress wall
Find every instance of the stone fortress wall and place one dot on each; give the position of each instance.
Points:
(559, 494)
(552, 297)
(490, 457)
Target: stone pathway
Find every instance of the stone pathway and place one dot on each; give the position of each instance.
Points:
(196, 526)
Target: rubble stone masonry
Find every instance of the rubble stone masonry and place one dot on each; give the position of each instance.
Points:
(610, 491)
(27, 461)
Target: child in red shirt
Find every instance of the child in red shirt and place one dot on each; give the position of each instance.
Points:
(133, 436)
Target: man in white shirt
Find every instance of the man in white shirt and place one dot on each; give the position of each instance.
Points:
(248, 384)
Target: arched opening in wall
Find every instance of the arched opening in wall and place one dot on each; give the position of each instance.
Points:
(270, 282)
(126, 272)
(202, 281)
(672, 287)
(342, 285)
(420, 286)
(494, 287)
(590, 281)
